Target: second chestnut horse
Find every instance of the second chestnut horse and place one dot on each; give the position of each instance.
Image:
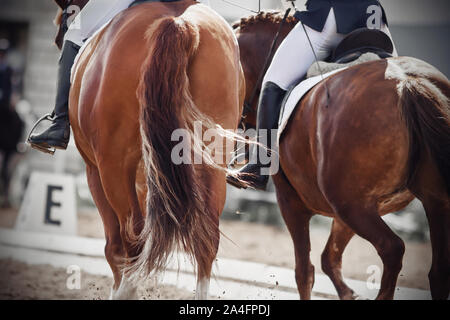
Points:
(382, 139)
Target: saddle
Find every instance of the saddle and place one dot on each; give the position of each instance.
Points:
(361, 45)
(136, 2)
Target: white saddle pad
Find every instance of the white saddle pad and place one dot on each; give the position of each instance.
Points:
(296, 95)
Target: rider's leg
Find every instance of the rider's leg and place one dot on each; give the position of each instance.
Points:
(290, 63)
(268, 112)
(93, 16)
(58, 134)
(295, 55)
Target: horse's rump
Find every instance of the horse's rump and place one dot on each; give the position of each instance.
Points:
(360, 133)
(108, 73)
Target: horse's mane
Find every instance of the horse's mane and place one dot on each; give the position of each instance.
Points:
(264, 16)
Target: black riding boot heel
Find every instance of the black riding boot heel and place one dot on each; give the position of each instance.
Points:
(268, 115)
(58, 134)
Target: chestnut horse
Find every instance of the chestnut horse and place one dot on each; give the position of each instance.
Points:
(383, 139)
(145, 75)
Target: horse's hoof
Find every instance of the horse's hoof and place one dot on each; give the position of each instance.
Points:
(359, 297)
(351, 296)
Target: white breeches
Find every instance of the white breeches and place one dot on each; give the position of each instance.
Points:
(94, 15)
(294, 56)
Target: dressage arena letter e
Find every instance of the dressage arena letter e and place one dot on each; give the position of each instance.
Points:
(50, 203)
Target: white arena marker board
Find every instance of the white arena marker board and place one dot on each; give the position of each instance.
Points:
(49, 205)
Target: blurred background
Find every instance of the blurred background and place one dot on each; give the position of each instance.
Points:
(251, 219)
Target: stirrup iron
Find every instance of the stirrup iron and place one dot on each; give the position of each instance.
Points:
(50, 150)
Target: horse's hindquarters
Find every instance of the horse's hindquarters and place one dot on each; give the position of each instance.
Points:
(354, 149)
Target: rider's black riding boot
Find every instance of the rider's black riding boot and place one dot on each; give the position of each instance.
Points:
(58, 135)
(268, 115)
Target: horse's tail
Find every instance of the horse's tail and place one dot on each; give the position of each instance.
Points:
(425, 101)
(177, 214)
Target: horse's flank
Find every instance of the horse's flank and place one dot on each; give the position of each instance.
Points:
(337, 129)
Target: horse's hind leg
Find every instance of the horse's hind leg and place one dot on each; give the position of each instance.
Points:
(215, 202)
(297, 218)
(429, 188)
(204, 275)
(438, 214)
(114, 251)
(367, 223)
(204, 271)
(332, 258)
(119, 185)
